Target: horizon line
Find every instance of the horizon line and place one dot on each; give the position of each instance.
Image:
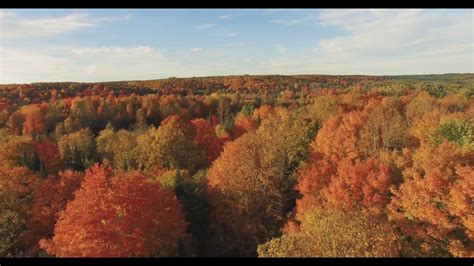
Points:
(237, 75)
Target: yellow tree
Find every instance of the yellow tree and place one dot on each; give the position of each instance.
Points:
(386, 128)
(247, 195)
(171, 146)
(251, 183)
(118, 148)
(77, 149)
(332, 233)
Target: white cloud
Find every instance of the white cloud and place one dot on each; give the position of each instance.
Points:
(111, 19)
(5, 13)
(95, 64)
(12, 26)
(204, 26)
(117, 51)
(28, 66)
(397, 41)
(85, 64)
(378, 42)
(225, 17)
(383, 42)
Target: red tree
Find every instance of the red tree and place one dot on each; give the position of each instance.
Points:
(207, 139)
(118, 216)
(49, 156)
(49, 199)
(345, 185)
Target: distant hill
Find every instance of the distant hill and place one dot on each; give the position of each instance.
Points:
(268, 85)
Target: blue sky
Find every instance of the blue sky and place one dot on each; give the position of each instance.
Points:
(130, 44)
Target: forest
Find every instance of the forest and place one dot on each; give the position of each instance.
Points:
(239, 166)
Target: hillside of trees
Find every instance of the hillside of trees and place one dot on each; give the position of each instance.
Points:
(267, 166)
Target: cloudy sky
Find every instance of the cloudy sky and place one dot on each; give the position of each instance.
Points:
(119, 44)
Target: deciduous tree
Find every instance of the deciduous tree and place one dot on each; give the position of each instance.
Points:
(49, 199)
(118, 216)
(332, 233)
(171, 146)
(77, 149)
(17, 186)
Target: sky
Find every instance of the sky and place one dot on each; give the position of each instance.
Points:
(93, 45)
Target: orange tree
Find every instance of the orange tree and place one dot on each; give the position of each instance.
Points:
(118, 215)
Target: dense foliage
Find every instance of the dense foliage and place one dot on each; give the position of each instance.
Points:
(332, 166)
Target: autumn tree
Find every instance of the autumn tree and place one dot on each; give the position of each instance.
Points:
(246, 195)
(455, 130)
(262, 113)
(18, 151)
(338, 138)
(249, 118)
(251, 182)
(290, 133)
(67, 126)
(455, 102)
(324, 107)
(460, 205)
(17, 186)
(207, 139)
(171, 146)
(50, 159)
(243, 124)
(118, 148)
(332, 233)
(422, 103)
(248, 186)
(191, 192)
(34, 121)
(360, 186)
(49, 199)
(431, 210)
(223, 109)
(77, 149)
(15, 122)
(387, 150)
(118, 215)
(84, 112)
(57, 111)
(385, 129)
(426, 206)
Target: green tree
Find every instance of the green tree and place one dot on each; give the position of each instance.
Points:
(17, 186)
(78, 149)
(457, 131)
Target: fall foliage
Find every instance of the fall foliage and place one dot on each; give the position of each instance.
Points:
(49, 199)
(329, 233)
(118, 215)
(17, 186)
(269, 166)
